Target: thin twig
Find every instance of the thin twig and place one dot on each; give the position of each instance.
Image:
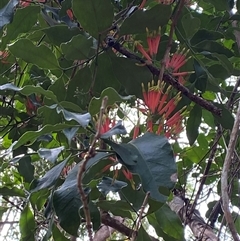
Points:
(224, 177)
(82, 168)
(139, 221)
(170, 39)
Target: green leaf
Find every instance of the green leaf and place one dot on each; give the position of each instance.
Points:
(118, 129)
(220, 5)
(238, 5)
(26, 169)
(213, 47)
(113, 97)
(70, 133)
(117, 208)
(9, 86)
(58, 34)
(143, 235)
(23, 21)
(5, 191)
(107, 185)
(77, 48)
(204, 34)
(27, 224)
(50, 154)
(7, 12)
(31, 136)
(193, 123)
(95, 215)
(29, 89)
(190, 25)
(131, 75)
(94, 16)
(226, 120)
(154, 162)
(141, 19)
(27, 51)
(170, 222)
(82, 119)
(50, 177)
(58, 235)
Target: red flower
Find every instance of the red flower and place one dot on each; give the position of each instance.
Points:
(140, 49)
(3, 56)
(153, 40)
(107, 125)
(70, 14)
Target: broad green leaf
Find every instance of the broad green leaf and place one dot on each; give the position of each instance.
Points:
(117, 208)
(41, 55)
(193, 123)
(31, 136)
(238, 5)
(38, 199)
(94, 16)
(118, 129)
(204, 34)
(26, 169)
(226, 120)
(50, 177)
(29, 89)
(23, 21)
(5, 191)
(190, 25)
(95, 215)
(154, 163)
(77, 48)
(143, 235)
(170, 222)
(82, 119)
(50, 154)
(220, 5)
(58, 235)
(9, 86)
(113, 97)
(70, 133)
(60, 33)
(27, 224)
(6, 13)
(131, 75)
(108, 184)
(141, 19)
(213, 47)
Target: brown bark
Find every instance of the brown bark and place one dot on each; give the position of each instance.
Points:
(196, 223)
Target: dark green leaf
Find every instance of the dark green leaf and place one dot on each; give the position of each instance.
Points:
(118, 129)
(95, 215)
(238, 5)
(170, 222)
(82, 119)
(107, 185)
(5, 191)
(23, 21)
(193, 123)
(27, 51)
(58, 235)
(190, 25)
(220, 5)
(154, 162)
(143, 235)
(50, 177)
(113, 97)
(31, 136)
(141, 19)
(93, 16)
(50, 154)
(70, 133)
(77, 48)
(26, 169)
(6, 13)
(27, 224)
(226, 120)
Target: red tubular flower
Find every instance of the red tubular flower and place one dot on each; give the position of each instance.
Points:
(140, 48)
(136, 131)
(107, 125)
(153, 40)
(70, 14)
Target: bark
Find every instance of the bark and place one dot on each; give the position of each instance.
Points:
(200, 229)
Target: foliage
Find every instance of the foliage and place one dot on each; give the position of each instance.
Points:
(95, 99)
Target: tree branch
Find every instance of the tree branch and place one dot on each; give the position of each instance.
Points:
(224, 177)
(170, 80)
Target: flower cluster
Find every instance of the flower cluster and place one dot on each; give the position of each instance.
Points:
(160, 108)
